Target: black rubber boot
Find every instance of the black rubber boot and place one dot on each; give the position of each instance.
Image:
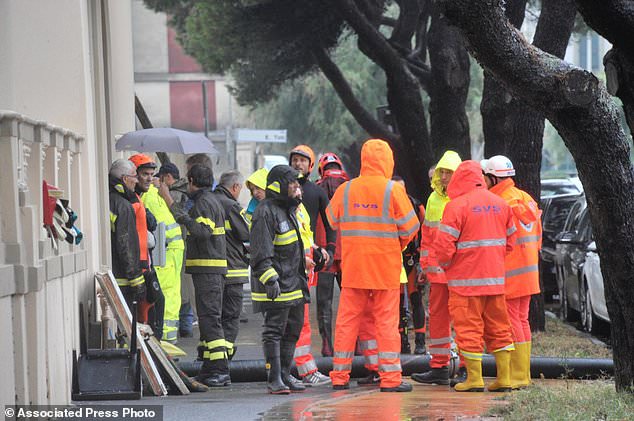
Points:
(433, 376)
(403, 387)
(325, 290)
(274, 382)
(372, 379)
(419, 344)
(405, 347)
(286, 360)
(461, 376)
(217, 380)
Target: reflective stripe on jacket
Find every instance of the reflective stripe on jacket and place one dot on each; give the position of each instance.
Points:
(522, 264)
(236, 234)
(474, 235)
(277, 253)
(436, 203)
(124, 241)
(206, 250)
(156, 204)
(375, 219)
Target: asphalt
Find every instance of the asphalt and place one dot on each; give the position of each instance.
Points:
(250, 401)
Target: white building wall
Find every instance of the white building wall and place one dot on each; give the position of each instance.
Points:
(66, 86)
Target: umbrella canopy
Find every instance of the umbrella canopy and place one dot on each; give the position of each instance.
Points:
(165, 139)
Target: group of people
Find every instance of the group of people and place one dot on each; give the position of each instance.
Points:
(475, 244)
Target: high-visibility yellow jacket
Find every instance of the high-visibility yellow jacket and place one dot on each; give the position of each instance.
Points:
(433, 214)
(156, 204)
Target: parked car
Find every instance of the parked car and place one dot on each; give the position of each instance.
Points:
(578, 271)
(555, 210)
(559, 186)
(593, 307)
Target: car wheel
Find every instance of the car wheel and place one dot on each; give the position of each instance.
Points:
(588, 320)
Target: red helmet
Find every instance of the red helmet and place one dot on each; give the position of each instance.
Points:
(141, 160)
(328, 158)
(306, 152)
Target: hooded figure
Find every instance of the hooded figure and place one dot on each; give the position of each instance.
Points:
(255, 180)
(439, 319)
(475, 234)
(278, 284)
(376, 221)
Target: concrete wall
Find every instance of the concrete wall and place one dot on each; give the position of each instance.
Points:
(66, 85)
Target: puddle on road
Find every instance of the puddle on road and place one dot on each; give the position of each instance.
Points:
(423, 403)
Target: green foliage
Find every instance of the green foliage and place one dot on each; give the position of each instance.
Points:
(261, 43)
(312, 112)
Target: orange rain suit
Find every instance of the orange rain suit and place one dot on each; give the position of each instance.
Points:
(376, 221)
(475, 234)
(439, 319)
(522, 264)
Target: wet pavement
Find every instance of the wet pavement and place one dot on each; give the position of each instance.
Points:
(250, 401)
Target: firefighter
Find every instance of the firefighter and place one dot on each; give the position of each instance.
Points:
(168, 274)
(332, 175)
(376, 221)
(206, 260)
(522, 264)
(124, 241)
(279, 287)
(412, 290)
(475, 233)
(315, 201)
(432, 273)
(237, 234)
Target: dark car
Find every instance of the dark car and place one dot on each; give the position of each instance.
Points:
(560, 186)
(572, 246)
(555, 210)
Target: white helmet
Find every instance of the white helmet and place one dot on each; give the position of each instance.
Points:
(498, 165)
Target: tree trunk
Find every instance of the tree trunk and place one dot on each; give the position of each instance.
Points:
(495, 104)
(586, 117)
(448, 91)
(524, 146)
(614, 20)
(412, 149)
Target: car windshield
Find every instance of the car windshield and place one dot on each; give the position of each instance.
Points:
(555, 189)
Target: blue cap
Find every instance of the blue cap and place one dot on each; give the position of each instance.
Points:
(169, 168)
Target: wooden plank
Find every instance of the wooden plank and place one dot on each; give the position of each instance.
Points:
(124, 318)
(158, 352)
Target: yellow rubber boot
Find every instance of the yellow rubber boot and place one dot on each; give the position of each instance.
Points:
(527, 363)
(518, 371)
(503, 366)
(474, 382)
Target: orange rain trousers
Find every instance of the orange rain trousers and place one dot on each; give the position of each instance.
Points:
(439, 325)
(480, 317)
(304, 359)
(382, 306)
(518, 309)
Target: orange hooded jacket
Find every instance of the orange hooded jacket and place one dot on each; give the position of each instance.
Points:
(475, 234)
(376, 221)
(522, 264)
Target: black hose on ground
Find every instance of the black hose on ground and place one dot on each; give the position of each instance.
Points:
(549, 368)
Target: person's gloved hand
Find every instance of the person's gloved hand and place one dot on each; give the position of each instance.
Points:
(318, 257)
(272, 289)
(421, 279)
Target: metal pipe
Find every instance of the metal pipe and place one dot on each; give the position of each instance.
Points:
(549, 368)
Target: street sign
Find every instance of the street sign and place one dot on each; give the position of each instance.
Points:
(252, 135)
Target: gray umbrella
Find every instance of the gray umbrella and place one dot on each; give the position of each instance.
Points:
(166, 139)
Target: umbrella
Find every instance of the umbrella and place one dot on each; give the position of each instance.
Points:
(166, 139)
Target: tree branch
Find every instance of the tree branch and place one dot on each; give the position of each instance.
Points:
(347, 96)
(406, 23)
(612, 19)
